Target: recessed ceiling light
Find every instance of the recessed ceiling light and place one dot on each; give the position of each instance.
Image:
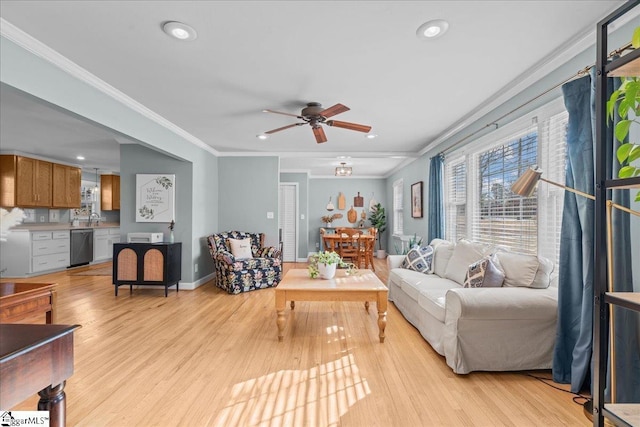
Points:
(80, 157)
(262, 136)
(179, 30)
(371, 136)
(343, 157)
(432, 29)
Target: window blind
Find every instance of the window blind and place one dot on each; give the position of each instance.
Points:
(398, 222)
(456, 199)
(499, 216)
(552, 161)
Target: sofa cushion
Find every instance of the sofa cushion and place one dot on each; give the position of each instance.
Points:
(241, 248)
(441, 256)
(464, 254)
(433, 302)
(419, 259)
(484, 274)
(519, 269)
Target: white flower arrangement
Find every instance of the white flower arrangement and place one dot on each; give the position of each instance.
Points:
(9, 219)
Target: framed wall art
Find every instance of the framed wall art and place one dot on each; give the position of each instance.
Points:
(155, 197)
(416, 200)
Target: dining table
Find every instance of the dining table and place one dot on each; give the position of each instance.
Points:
(331, 242)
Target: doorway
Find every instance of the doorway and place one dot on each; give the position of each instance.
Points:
(288, 220)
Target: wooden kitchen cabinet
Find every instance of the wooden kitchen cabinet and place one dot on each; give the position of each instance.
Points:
(33, 182)
(110, 192)
(66, 186)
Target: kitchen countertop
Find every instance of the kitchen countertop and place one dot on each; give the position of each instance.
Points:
(45, 226)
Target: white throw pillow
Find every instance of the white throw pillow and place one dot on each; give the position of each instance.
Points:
(464, 254)
(519, 269)
(441, 256)
(241, 248)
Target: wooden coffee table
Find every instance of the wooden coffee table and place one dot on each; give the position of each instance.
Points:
(19, 301)
(363, 286)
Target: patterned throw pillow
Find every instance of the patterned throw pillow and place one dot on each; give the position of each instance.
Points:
(484, 274)
(419, 259)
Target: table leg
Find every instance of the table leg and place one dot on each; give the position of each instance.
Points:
(52, 399)
(382, 314)
(280, 319)
(51, 315)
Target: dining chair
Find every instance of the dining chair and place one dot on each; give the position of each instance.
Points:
(351, 244)
(369, 249)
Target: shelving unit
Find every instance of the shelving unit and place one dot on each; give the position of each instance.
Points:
(622, 414)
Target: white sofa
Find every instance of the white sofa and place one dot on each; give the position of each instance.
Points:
(506, 328)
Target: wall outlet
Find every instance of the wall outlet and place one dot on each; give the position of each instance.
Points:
(41, 218)
(54, 215)
(195, 268)
(269, 215)
(301, 216)
(317, 245)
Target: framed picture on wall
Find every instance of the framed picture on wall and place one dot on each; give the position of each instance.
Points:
(155, 197)
(416, 200)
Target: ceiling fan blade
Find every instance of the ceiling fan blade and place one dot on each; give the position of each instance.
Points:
(283, 128)
(280, 112)
(319, 134)
(350, 126)
(332, 111)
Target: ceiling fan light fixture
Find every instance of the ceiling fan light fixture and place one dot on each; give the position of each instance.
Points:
(343, 170)
(432, 29)
(179, 30)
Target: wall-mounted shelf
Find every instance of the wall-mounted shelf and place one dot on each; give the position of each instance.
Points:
(625, 66)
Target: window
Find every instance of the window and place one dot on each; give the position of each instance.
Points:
(501, 217)
(479, 204)
(398, 225)
(456, 209)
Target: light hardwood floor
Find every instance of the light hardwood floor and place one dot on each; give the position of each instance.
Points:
(206, 358)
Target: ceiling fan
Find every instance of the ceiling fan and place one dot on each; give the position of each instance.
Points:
(315, 115)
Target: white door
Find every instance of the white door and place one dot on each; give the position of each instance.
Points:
(288, 221)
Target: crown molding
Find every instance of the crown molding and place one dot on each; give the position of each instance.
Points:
(41, 50)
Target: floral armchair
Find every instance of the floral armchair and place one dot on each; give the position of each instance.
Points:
(233, 275)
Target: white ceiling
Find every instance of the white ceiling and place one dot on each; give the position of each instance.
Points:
(252, 55)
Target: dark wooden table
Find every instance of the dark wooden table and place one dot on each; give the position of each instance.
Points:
(19, 301)
(36, 358)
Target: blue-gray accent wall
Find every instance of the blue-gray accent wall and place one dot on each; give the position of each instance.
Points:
(248, 192)
(320, 189)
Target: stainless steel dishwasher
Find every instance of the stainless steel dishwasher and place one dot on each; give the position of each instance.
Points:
(81, 246)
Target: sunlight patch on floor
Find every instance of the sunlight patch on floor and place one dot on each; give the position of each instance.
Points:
(316, 396)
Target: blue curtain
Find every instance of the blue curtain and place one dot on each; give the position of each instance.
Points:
(436, 198)
(572, 352)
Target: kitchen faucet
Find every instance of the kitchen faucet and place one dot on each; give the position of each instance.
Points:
(94, 215)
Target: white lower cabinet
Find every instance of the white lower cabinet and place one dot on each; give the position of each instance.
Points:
(103, 240)
(50, 250)
(28, 252)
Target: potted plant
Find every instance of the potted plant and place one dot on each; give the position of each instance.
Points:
(324, 264)
(622, 101)
(378, 221)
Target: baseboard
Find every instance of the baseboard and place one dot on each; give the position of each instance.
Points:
(184, 286)
(189, 286)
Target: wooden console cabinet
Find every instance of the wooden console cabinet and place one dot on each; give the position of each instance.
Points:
(157, 264)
